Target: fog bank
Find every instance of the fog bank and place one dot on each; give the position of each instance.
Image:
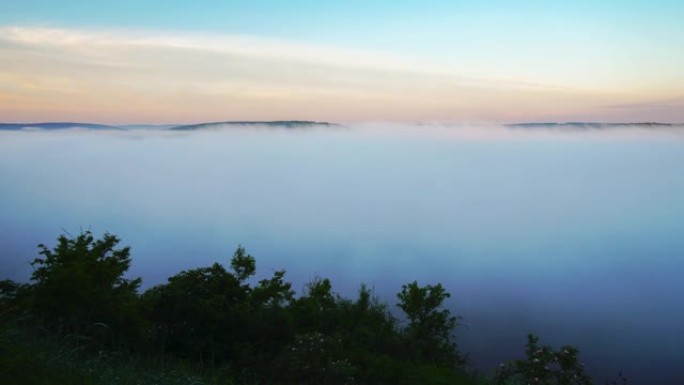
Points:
(574, 235)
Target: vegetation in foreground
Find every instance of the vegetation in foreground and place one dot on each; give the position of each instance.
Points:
(80, 321)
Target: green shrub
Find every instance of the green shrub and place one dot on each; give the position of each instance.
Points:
(545, 366)
(79, 289)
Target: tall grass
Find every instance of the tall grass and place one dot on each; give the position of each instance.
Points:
(29, 357)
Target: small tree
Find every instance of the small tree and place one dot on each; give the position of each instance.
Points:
(197, 313)
(317, 309)
(206, 314)
(273, 292)
(314, 358)
(80, 283)
(243, 264)
(429, 334)
(544, 366)
(11, 296)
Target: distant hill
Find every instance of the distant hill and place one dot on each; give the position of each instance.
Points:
(56, 126)
(290, 124)
(592, 125)
(146, 126)
(304, 124)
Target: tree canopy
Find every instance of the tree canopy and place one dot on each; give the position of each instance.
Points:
(80, 283)
(259, 332)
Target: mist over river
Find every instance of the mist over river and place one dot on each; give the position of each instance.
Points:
(574, 235)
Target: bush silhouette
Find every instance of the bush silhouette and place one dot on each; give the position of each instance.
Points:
(544, 366)
(429, 334)
(79, 286)
(212, 319)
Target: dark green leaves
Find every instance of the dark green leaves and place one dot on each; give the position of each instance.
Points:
(243, 264)
(80, 283)
(429, 333)
(545, 366)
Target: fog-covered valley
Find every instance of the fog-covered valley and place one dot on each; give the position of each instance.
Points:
(572, 233)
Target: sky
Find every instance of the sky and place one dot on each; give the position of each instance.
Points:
(399, 61)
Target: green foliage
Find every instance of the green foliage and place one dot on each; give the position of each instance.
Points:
(545, 366)
(243, 264)
(316, 310)
(209, 316)
(79, 286)
(8, 290)
(271, 324)
(429, 334)
(196, 313)
(273, 292)
(314, 358)
(30, 359)
(12, 298)
(367, 325)
(211, 325)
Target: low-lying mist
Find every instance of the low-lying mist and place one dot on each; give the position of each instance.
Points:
(571, 234)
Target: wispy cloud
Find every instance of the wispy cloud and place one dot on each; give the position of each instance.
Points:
(124, 75)
(653, 104)
(84, 41)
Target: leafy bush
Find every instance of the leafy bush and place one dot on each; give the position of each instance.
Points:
(79, 288)
(314, 358)
(81, 321)
(545, 366)
(429, 334)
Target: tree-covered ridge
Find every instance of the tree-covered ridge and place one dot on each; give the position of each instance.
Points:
(287, 124)
(212, 320)
(280, 124)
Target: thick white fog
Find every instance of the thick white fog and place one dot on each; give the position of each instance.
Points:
(575, 235)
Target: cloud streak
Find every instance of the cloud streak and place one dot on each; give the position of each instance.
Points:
(121, 76)
(657, 104)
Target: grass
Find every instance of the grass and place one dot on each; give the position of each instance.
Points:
(26, 359)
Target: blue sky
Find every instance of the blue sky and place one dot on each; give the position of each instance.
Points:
(401, 24)
(616, 52)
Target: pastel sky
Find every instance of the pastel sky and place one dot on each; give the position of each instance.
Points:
(450, 61)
